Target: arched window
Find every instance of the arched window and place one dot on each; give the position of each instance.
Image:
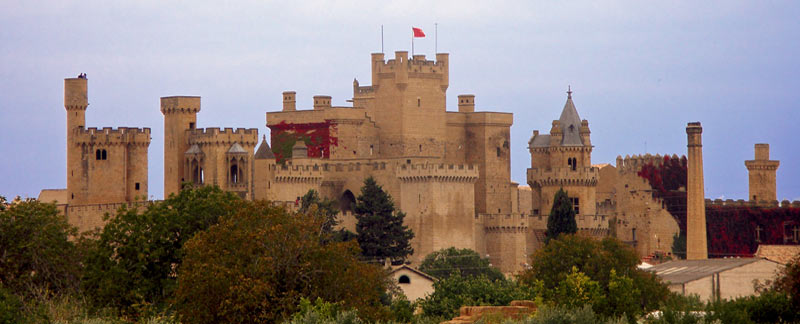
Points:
(98, 155)
(347, 202)
(404, 280)
(105, 155)
(234, 174)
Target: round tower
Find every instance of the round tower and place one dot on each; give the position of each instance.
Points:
(76, 101)
(180, 116)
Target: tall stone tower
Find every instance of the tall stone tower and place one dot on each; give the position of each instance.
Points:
(180, 115)
(761, 172)
(696, 244)
(563, 159)
(76, 101)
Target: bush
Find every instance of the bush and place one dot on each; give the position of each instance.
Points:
(257, 265)
(451, 293)
(564, 315)
(443, 263)
(11, 311)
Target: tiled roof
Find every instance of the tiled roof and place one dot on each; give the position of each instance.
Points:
(782, 254)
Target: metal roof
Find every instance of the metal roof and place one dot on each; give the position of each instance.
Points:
(683, 271)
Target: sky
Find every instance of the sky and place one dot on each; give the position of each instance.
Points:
(639, 71)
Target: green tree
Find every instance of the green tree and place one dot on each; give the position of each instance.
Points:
(577, 290)
(679, 245)
(468, 263)
(36, 254)
(135, 258)
(325, 209)
(596, 259)
(562, 217)
(455, 291)
(380, 229)
(256, 266)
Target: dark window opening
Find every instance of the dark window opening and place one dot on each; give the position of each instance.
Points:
(575, 205)
(404, 279)
(419, 102)
(420, 147)
(191, 125)
(347, 201)
(105, 155)
(234, 174)
(633, 234)
(137, 186)
(97, 155)
(498, 152)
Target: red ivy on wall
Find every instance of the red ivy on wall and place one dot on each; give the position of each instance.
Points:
(731, 230)
(316, 136)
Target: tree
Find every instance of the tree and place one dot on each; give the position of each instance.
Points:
(36, 254)
(380, 229)
(468, 263)
(562, 217)
(135, 258)
(609, 262)
(325, 209)
(451, 293)
(256, 266)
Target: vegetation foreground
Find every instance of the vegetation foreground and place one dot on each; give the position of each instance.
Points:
(206, 256)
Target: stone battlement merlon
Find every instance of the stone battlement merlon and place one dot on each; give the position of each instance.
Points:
(417, 64)
(111, 136)
(211, 135)
(741, 203)
(180, 104)
(634, 163)
(439, 172)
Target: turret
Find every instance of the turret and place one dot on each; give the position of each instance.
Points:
(75, 102)
(585, 133)
(289, 101)
(180, 115)
(322, 102)
(466, 103)
(556, 133)
(762, 175)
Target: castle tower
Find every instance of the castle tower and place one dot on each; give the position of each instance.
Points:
(407, 102)
(563, 159)
(180, 115)
(696, 242)
(761, 172)
(75, 102)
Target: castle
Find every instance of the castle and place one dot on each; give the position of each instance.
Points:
(449, 171)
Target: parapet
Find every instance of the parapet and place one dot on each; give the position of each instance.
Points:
(180, 104)
(564, 176)
(418, 65)
(426, 172)
(634, 163)
(244, 136)
(741, 203)
(113, 136)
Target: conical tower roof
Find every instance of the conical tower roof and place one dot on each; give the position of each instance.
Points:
(264, 151)
(570, 123)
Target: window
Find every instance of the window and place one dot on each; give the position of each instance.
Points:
(100, 155)
(191, 125)
(420, 147)
(759, 231)
(575, 205)
(633, 234)
(105, 157)
(572, 163)
(404, 279)
(498, 152)
(419, 102)
(97, 155)
(137, 186)
(234, 174)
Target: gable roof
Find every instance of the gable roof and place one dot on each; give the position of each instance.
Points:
(236, 148)
(683, 271)
(425, 275)
(264, 151)
(194, 150)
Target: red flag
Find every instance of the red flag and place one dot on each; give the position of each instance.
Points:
(418, 32)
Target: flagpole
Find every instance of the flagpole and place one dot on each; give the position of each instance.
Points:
(435, 38)
(412, 42)
(381, 38)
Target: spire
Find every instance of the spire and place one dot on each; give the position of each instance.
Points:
(264, 151)
(570, 123)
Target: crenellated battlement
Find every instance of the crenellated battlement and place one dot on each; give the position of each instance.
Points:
(437, 172)
(180, 104)
(112, 136)
(401, 67)
(634, 163)
(494, 222)
(563, 176)
(752, 203)
(245, 136)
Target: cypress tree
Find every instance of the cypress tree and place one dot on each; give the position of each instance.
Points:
(380, 229)
(562, 216)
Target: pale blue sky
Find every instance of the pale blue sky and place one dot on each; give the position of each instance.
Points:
(640, 70)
